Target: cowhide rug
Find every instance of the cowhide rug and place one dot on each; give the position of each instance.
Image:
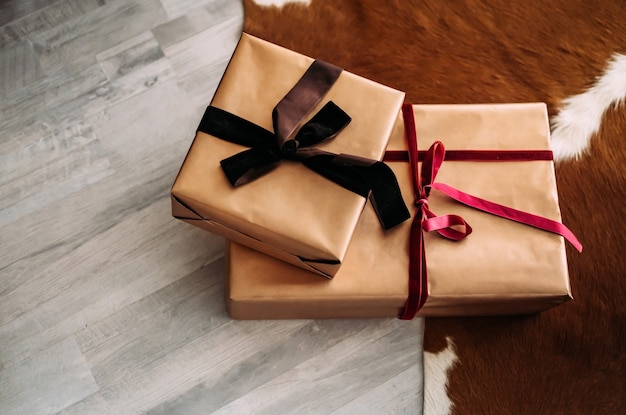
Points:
(570, 54)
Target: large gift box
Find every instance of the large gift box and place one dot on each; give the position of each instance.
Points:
(284, 138)
(498, 153)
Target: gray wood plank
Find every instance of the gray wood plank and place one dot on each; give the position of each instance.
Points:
(177, 8)
(107, 206)
(45, 15)
(402, 394)
(59, 94)
(200, 60)
(73, 159)
(131, 55)
(10, 11)
(89, 90)
(92, 404)
(197, 20)
(171, 123)
(73, 46)
(137, 184)
(48, 382)
(19, 66)
(300, 374)
(203, 359)
(58, 303)
(155, 325)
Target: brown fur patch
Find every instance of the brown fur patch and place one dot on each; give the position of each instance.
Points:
(571, 359)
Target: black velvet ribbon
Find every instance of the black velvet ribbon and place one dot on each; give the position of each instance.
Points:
(366, 177)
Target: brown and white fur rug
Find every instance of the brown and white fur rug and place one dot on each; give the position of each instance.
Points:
(570, 54)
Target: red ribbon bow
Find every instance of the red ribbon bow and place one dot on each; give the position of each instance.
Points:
(452, 227)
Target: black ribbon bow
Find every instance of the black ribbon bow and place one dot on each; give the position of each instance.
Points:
(366, 177)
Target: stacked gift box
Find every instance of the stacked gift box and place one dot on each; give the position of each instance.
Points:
(291, 212)
(289, 153)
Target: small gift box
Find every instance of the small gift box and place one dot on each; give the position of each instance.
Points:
(499, 164)
(286, 156)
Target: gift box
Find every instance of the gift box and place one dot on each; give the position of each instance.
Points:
(498, 153)
(283, 140)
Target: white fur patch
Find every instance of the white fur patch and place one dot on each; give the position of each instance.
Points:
(436, 367)
(580, 117)
(280, 3)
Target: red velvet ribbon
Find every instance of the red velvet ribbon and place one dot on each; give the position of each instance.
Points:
(454, 227)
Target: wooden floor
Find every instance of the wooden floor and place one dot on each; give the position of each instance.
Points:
(107, 304)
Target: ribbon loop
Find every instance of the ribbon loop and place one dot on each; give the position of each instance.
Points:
(431, 164)
(324, 125)
(302, 98)
(248, 165)
(292, 141)
(446, 226)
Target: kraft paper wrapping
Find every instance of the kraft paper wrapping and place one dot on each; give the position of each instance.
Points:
(290, 213)
(502, 268)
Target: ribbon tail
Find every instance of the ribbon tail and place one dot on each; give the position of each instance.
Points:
(418, 281)
(368, 178)
(510, 213)
(386, 196)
